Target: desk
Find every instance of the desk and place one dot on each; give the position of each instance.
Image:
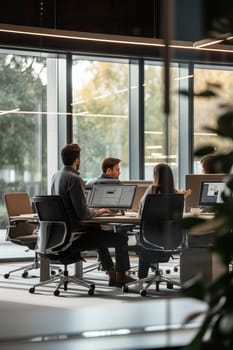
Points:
(197, 256)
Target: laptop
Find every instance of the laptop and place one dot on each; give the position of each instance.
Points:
(210, 195)
(118, 197)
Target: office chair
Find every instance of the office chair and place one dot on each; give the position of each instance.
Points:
(21, 231)
(55, 238)
(159, 232)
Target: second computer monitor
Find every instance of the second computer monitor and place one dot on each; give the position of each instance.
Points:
(211, 193)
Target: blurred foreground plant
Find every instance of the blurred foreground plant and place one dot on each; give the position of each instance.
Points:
(216, 331)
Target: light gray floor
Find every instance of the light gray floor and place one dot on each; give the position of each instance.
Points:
(27, 318)
(16, 288)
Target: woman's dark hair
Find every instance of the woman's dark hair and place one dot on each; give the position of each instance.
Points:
(163, 179)
(69, 153)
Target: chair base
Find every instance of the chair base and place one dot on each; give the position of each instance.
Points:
(25, 269)
(144, 283)
(63, 279)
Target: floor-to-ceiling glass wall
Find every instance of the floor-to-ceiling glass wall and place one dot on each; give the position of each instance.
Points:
(33, 107)
(27, 125)
(100, 113)
(218, 80)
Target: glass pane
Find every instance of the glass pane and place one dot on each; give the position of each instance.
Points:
(23, 130)
(207, 110)
(155, 125)
(100, 108)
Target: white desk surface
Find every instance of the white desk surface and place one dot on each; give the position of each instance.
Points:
(25, 217)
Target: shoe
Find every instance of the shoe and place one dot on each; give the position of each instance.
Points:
(122, 279)
(112, 277)
(114, 283)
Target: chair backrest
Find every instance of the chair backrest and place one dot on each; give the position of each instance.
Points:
(18, 203)
(159, 227)
(55, 231)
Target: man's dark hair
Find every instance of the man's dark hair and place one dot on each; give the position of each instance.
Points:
(109, 163)
(209, 165)
(69, 153)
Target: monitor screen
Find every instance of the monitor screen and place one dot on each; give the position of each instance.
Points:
(210, 193)
(112, 196)
(88, 190)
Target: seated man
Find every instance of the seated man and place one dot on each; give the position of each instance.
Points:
(69, 185)
(110, 172)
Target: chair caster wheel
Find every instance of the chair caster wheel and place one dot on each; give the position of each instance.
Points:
(167, 272)
(169, 285)
(25, 274)
(56, 293)
(53, 273)
(125, 289)
(92, 286)
(143, 292)
(7, 275)
(32, 290)
(176, 269)
(91, 291)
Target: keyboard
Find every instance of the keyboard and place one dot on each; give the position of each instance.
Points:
(110, 214)
(206, 214)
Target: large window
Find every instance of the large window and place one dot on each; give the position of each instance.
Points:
(22, 125)
(207, 110)
(29, 114)
(100, 109)
(161, 143)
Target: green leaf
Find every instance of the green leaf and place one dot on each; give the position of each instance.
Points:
(204, 93)
(225, 124)
(202, 151)
(195, 287)
(190, 222)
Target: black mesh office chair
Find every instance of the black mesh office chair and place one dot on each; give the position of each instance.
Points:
(159, 232)
(55, 238)
(21, 231)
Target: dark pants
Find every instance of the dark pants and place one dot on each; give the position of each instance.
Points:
(95, 238)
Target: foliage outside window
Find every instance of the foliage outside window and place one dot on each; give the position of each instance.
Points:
(206, 112)
(100, 108)
(22, 126)
(155, 128)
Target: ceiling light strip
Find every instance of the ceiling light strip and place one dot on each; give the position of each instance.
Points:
(62, 34)
(202, 45)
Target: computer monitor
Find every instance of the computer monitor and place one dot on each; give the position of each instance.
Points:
(210, 193)
(112, 196)
(142, 186)
(88, 191)
(193, 181)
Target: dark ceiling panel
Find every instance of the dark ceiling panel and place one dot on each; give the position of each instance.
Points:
(121, 17)
(192, 19)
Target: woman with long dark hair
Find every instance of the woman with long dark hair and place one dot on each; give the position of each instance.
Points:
(163, 182)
